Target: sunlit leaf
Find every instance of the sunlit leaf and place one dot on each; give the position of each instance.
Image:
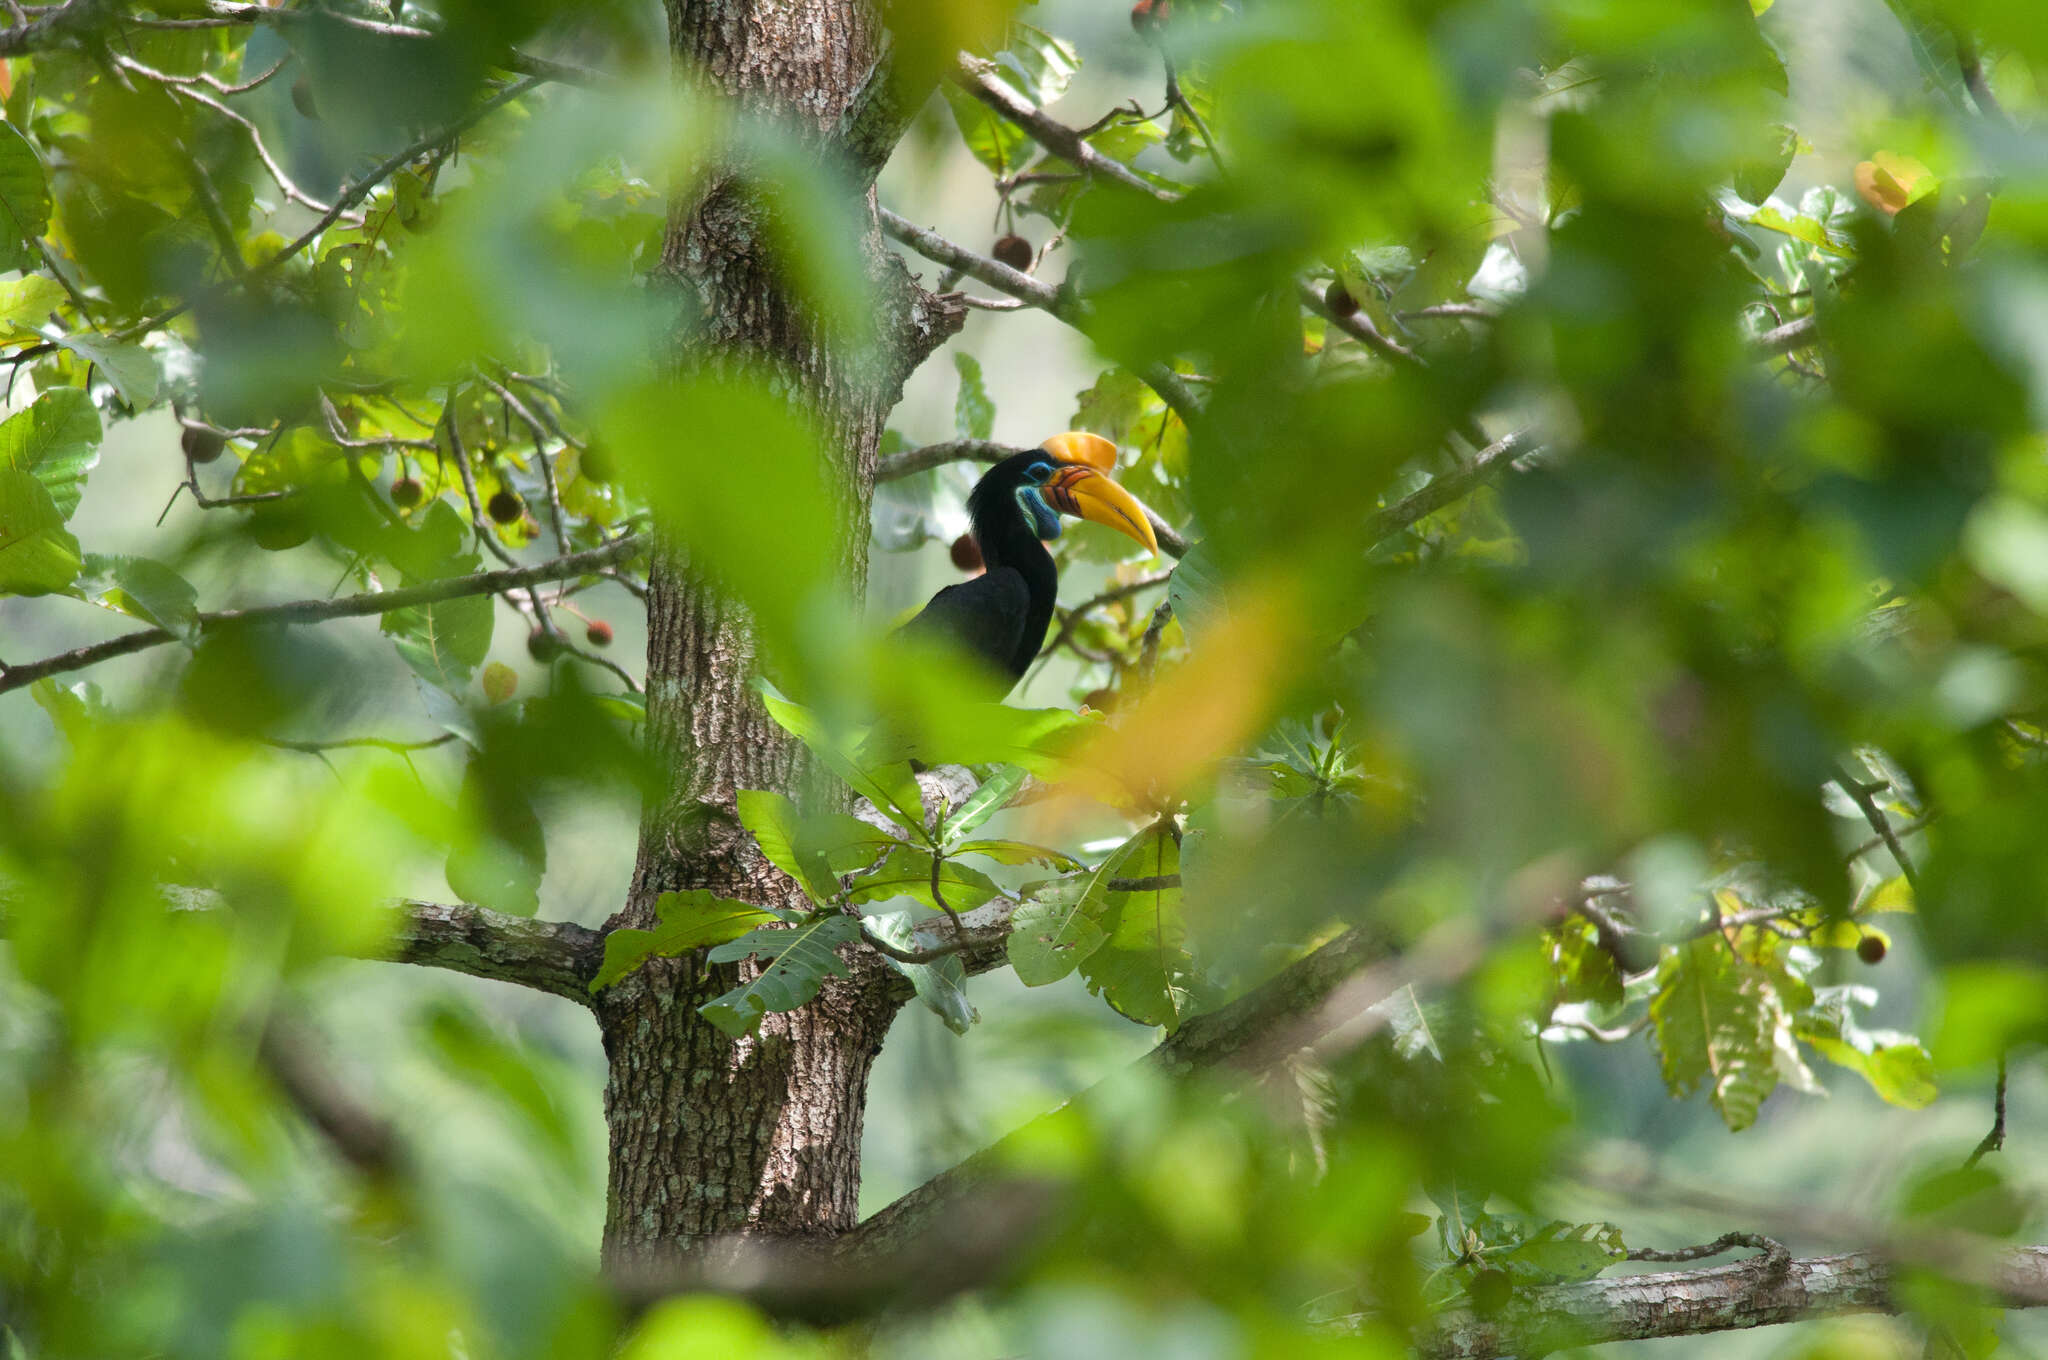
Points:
(687, 920)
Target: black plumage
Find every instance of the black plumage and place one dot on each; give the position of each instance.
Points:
(999, 618)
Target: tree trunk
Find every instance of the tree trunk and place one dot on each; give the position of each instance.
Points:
(708, 1135)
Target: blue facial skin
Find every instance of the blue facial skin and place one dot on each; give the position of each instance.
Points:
(1044, 520)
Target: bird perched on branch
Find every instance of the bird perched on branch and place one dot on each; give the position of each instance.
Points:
(999, 618)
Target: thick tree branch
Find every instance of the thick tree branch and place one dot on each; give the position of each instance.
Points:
(319, 611)
(560, 957)
(1761, 1292)
(878, 115)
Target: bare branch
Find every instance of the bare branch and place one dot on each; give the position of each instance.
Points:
(1762, 1292)
(1446, 487)
(1060, 301)
(977, 77)
(1995, 1139)
(320, 611)
(1794, 334)
(559, 957)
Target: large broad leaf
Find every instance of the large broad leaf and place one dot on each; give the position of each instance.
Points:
(26, 303)
(941, 984)
(1050, 934)
(1714, 1020)
(58, 440)
(688, 920)
(128, 366)
(145, 589)
(1565, 1252)
(799, 958)
(444, 642)
(907, 872)
(24, 201)
(1896, 1065)
(891, 787)
(1142, 968)
(993, 795)
(992, 140)
(814, 850)
(1036, 64)
(37, 553)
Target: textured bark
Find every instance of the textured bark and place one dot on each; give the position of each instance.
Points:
(551, 956)
(1754, 1293)
(712, 1136)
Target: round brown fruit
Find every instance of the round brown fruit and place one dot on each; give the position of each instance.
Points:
(543, 646)
(202, 445)
(1149, 16)
(597, 462)
(505, 507)
(407, 492)
(967, 553)
(302, 98)
(1014, 251)
(1871, 949)
(599, 632)
(1339, 300)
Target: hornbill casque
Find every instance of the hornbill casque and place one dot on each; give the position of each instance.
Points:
(999, 618)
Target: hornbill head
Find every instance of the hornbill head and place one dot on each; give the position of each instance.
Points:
(1066, 475)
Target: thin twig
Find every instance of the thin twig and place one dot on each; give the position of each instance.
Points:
(1859, 793)
(1994, 1140)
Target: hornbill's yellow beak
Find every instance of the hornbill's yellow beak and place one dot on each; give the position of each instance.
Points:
(1080, 488)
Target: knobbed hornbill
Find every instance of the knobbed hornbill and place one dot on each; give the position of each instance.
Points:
(999, 618)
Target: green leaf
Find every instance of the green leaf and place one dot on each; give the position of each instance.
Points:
(1050, 935)
(940, 984)
(1714, 1020)
(1565, 1252)
(992, 140)
(27, 302)
(145, 589)
(57, 438)
(128, 366)
(688, 920)
(1020, 852)
(974, 412)
(445, 641)
(907, 872)
(1802, 228)
(991, 797)
(779, 829)
(24, 202)
(891, 787)
(37, 553)
(1897, 1066)
(1036, 64)
(1195, 590)
(1142, 969)
(799, 957)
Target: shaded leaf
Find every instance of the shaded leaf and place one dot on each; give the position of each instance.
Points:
(688, 920)
(799, 958)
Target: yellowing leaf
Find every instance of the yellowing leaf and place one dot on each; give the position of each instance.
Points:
(1887, 181)
(1196, 714)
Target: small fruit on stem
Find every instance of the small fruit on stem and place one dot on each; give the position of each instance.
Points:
(201, 445)
(597, 463)
(1149, 16)
(406, 492)
(1014, 251)
(543, 646)
(1871, 949)
(504, 506)
(599, 632)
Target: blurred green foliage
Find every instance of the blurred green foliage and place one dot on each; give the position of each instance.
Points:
(1710, 716)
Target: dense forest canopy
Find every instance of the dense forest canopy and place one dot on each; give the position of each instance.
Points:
(1596, 646)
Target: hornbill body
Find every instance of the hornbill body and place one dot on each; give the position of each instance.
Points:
(999, 618)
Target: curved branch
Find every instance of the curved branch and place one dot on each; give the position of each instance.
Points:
(559, 957)
(977, 77)
(319, 611)
(1762, 1292)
